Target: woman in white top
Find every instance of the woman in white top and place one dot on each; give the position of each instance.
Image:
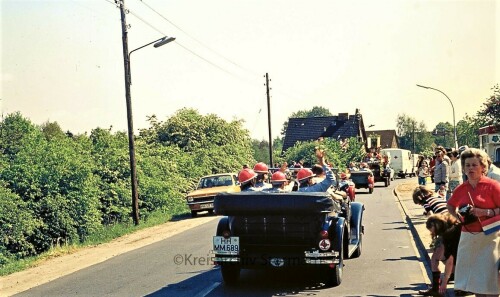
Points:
(455, 172)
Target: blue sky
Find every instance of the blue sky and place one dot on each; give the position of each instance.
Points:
(62, 60)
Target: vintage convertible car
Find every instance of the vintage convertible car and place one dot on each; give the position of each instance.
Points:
(363, 179)
(275, 230)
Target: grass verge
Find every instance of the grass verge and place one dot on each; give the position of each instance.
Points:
(106, 234)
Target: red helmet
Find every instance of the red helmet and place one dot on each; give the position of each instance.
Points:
(304, 173)
(278, 176)
(261, 168)
(246, 175)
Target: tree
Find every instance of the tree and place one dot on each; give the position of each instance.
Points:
(316, 111)
(490, 112)
(216, 145)
(52, 130)
(444, 135)
(467, 130)
(339, 154)
(412, 135)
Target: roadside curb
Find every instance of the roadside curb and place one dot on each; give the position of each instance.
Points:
(418, 240)
(403, 198)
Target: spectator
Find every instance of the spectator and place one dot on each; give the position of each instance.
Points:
(432, 165)
(493, 171)
(446, 227)
(441, 170)
(424, 196)
(419, 163)
(477, 257)
(455, 171)
(423, 173)
(437, 205)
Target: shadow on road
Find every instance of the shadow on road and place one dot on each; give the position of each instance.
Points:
(288, 282)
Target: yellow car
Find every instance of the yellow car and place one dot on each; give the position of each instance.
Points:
(202, 198)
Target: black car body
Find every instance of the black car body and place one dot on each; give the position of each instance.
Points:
(275, 230)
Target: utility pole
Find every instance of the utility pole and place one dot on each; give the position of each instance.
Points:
(414, 138)
(269, 122)
(131, 144)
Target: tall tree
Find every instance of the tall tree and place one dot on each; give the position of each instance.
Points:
(489, 114)
(412, 135)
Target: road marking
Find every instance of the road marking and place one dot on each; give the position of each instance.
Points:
(208, 290)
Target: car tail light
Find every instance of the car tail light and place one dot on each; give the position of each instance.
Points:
(323, 234)
(226, 233)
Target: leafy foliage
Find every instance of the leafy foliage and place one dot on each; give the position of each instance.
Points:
(338, 154)
(490, 112)
(412, 135)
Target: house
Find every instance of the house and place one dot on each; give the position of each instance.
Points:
(341, 126)
(382, 139)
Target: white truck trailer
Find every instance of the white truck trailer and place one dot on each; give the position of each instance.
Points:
(401, 161)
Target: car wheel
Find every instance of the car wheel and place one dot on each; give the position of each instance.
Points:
(194, 213)
(334, 275)
(230, 273)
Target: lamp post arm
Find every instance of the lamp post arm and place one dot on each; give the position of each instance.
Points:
(452, 108)
(129, 54)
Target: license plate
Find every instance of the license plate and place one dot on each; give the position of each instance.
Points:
(226, 246)
(209, 205)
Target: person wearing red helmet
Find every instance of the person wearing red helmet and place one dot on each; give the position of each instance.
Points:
(247, 178)
(280, 182)
(262, 171)
(305, 177)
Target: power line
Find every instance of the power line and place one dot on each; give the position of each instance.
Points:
(189, 50)
(195, 39)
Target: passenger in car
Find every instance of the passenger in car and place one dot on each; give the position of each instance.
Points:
(279, 184)
(262, 172)
(247, 178)
(305, 177)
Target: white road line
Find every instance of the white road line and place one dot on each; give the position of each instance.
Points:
(208, 290)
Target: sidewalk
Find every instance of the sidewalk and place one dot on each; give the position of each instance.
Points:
(416, 221)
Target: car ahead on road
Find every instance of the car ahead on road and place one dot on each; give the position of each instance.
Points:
(202, 198)
(380, 174)
(277, 230)
(363, 179)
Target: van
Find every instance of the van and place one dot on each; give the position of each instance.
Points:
(401, 161)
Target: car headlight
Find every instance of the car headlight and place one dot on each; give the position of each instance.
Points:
(190, 199)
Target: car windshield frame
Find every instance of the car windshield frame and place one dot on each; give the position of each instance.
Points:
(216, 181)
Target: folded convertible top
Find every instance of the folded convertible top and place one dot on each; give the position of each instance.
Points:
(262, 203)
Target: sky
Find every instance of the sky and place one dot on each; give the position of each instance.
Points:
(62, 61)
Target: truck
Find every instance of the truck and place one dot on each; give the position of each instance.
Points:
(401, 161)
(262, 230)
(489, 141)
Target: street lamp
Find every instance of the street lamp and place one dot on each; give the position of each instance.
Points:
(157, 43)
(131, 144)
(452, 107)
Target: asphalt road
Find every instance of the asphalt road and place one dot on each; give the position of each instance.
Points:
(181, 266)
